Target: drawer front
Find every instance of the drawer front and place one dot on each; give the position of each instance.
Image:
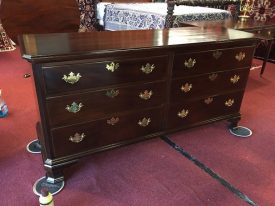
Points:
(209, 84)
(214, 60)
(73, 109)
(72, 77)
(187, 113)
(76, 139)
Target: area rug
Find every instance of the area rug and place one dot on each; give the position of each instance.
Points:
(5, 42)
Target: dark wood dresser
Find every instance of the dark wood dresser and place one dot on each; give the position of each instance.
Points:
(100, 90)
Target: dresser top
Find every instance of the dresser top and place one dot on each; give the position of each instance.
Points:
(40, 46)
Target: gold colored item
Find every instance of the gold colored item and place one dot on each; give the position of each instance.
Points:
(113, 120)
(146, 94)
(213, 76)
(71, 78)
(240, 56)
(229, 102)
(186, 88)
(112, 93)
(209, 100)
(148, 68)
(217, 54)
(74, 107)
(112, 66)
(190, 63)
(77, 138)
(235, 79)
(144, 122)
(183, 113)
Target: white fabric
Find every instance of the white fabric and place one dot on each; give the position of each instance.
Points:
(100, 11)
(156, 8)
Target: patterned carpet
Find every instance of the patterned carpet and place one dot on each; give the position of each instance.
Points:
(5, 42)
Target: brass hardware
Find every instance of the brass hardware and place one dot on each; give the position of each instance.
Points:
(235, 79)
(144, 122)
(148, 68)
(146, 94)
(229, 102)
(212, 77)
(240, 56)
(71, 78)
(74, 108)
(190, 63)
(186, 88)
(112, 93)
(113, 120)
(77, 138)
(217, 54)
(209, 100)
(112, 66)
(183, 113)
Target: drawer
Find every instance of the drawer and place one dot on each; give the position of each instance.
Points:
(208, 84)
(104, 132)
(215, 60)
(185, 114)
(73, 109)
(86, 75)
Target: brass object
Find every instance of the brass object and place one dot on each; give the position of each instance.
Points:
(213, 76)
(186, 88)
(246, 6)
(148, 68)
(240, 56)
(229, 102)
(71, 78)
(74, 107)
(112, 93)
(113, 120)
(217, 54)
(112, 66)
(190, 63)
(144, 122)
(146, 94)
(183, 113)
(209, 100)
(77, 138)
(235, 79)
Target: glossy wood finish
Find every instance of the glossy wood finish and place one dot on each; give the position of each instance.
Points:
(129, 70)
(39, 16)
(105, 122)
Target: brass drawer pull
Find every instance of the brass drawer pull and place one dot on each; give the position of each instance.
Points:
(71, 78)
(112, 93)
(240, 56)
(183, 113)
(186, 88)
(148, 68)
(229, 102)
(217, 54)
(144, 122)
(146, 94)
(190, 63)
(113, 120)
(235, 79)
(74, 107)
(209, 100)
(112, 66)
(213, 77)
(77, 138)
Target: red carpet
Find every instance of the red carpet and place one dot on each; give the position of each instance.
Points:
(148, 173)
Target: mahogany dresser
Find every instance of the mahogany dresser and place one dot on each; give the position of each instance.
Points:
(100, 90)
